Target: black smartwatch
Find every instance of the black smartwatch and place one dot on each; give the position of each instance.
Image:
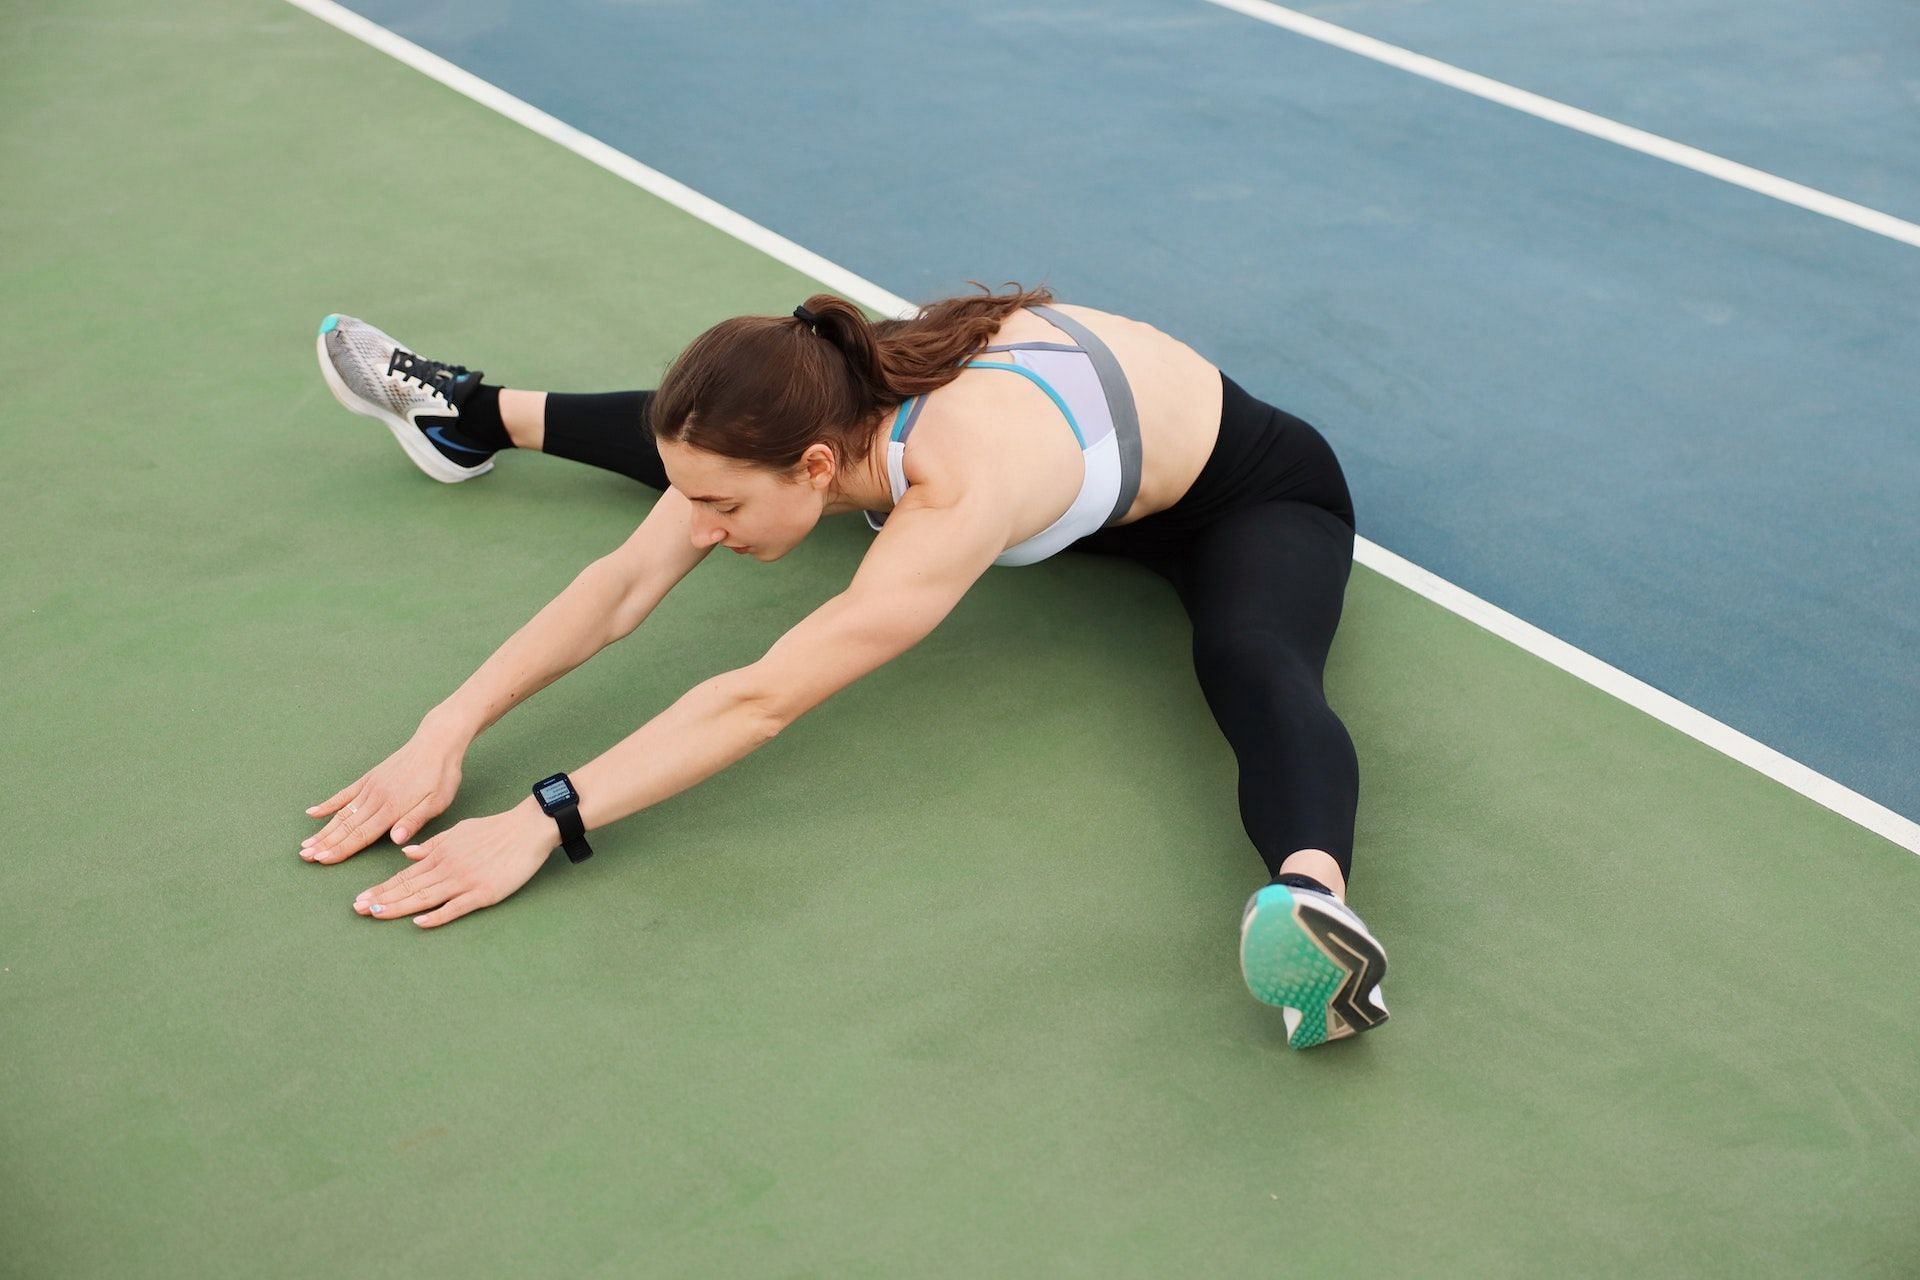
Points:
(559, 801)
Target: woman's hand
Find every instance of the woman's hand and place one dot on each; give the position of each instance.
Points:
(401, 794)
(470, 865)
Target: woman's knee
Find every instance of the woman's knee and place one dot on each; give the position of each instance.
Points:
(1255, 665)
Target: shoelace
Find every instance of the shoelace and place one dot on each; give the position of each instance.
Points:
(434, 375)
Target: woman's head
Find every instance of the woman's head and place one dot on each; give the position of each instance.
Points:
(763, 420)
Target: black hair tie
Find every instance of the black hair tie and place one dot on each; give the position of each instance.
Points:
(801, 313)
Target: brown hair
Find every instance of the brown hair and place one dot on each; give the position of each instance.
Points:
(761, 389)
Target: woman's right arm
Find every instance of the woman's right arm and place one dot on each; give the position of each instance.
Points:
(605, 602)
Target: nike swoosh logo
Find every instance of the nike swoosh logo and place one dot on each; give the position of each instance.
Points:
(439, 437)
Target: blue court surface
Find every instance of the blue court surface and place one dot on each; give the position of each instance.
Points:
(1666, 419)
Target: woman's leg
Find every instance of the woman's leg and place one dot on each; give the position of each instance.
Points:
(607, 430)
(1264, 587)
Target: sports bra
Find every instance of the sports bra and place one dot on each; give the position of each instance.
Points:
(1086, 383)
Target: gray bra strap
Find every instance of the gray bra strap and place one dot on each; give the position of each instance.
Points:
(1126, 419)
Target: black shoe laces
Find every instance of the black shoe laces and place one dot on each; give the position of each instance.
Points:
(434, 375)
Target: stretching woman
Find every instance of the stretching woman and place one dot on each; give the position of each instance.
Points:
(984, 430)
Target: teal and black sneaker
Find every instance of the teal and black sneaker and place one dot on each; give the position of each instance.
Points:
(418, 399)
(1308, 953)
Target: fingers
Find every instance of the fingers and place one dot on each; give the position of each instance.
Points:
(469, 901)
(442, 887)
(338, 798)
(364, 819)
(415, 889)
(351, 830)
(413, 819)
(325, 834)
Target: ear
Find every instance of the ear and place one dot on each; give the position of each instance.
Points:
(819, 464)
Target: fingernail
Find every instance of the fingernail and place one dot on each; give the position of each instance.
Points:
(309, 840)
(375, 908)
(398, 836)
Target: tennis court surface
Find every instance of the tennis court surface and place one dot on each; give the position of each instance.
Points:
(943, 981)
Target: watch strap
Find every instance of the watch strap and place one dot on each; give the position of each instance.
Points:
(573, 833)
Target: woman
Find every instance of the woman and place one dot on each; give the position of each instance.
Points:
(1067, 427)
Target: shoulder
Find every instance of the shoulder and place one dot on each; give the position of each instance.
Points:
(967, 439)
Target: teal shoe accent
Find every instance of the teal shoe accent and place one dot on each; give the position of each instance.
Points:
(327, 326)
(1298, 951)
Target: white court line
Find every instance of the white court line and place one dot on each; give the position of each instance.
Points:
(1533, 104)
(1668, 710)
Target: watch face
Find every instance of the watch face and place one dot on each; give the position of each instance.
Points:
(555, 792)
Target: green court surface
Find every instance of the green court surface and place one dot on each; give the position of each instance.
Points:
(942, 982)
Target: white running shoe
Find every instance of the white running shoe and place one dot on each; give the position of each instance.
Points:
(419, 399)
(1309, 953)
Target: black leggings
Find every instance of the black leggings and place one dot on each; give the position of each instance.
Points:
(1258, 550)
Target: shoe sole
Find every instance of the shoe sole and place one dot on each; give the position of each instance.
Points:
(418, 448)
(1316, 962)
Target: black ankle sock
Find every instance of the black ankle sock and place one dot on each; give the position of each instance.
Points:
(1297, 881)
(480, 418)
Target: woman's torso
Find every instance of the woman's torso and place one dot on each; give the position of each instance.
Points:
(1176, 394)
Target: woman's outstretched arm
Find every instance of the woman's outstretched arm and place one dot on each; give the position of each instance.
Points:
(918, 568)
(605, 601)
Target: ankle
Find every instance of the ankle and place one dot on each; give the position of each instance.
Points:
(1317, 866)
(524, 415)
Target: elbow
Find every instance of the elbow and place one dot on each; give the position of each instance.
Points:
(758, 704)
(775, 713)
(769, 721)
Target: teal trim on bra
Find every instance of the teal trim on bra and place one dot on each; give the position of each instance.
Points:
(900, 415)
(1042, 384)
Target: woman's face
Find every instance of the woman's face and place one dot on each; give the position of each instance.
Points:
(740, 505)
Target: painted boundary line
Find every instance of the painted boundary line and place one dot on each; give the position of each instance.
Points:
(1533, 104)
(1671, 711)
(1663, 707)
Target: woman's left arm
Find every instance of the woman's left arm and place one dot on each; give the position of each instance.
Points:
(925, 558)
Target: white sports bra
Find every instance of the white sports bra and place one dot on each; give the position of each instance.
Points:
(1085, 381)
